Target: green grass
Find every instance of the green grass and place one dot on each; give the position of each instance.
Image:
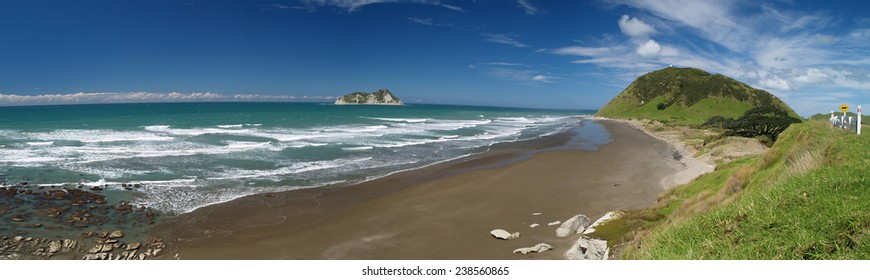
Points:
(807, 198)
(693, 115)
(634, 223)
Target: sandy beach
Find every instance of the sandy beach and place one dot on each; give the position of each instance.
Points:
(443, 212)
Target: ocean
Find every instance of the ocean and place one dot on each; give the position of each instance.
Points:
(183, 156)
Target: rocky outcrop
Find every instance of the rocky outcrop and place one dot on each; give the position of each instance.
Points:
(503, 234)
(539, 248)
(574, 225)
(588, 249)
(380, 97)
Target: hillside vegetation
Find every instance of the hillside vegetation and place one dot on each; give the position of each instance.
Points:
(687, 96)
(807, 197)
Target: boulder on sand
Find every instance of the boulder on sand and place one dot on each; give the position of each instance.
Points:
(588, 249)
(540, 247)
(576, 224)
(503, 234)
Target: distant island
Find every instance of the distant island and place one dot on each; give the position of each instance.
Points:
(380, 97)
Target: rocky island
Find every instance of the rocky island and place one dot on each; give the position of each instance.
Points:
(380, 97)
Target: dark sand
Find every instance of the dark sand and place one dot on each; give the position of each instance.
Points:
(425, 214)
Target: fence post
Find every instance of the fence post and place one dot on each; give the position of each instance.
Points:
(859, 119)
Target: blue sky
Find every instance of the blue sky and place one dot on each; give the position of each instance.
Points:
(522, 53)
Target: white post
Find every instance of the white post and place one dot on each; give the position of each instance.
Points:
(859, 119)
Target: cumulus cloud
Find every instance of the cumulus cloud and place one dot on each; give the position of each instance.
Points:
(774, 83)
(139, 97)
(811, 76)
(539, 78)
(634, 27)
(650, 49)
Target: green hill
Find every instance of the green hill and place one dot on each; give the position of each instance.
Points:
(687, 96)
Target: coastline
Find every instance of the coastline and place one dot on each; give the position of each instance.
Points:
(693, 164)
(436, 212)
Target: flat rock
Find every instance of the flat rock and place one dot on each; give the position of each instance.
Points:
(574, 225)
(554, 223)
(96, 249)
(116, 234)
(536, 214)
(539, 248)
(503, 234)
(134, 245)
(534, 225)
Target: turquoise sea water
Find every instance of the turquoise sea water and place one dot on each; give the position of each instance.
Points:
(188, 155)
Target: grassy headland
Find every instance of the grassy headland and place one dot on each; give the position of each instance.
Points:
(687, 96)
(806, 197)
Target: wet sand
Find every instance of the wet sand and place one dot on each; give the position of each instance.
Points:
(435, 213)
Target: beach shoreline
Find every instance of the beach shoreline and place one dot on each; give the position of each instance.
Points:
(693, 165)
(435, 213)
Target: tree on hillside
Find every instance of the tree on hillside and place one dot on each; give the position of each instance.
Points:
(764, 120)
(718, 121)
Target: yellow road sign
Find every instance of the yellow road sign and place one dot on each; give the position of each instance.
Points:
(844, 108)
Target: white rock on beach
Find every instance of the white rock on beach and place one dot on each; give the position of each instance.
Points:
(576, 224)
(607, 217)
(503, 234)
(534, 225)
(54, 246)
(554, 223)
(539, 248)
(536, 214)
(588, 249)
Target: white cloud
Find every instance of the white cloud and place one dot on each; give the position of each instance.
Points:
(503, 39)
(811, 76)
(649, 50)
(354, 5)
(500, 63)
(712, 19)
(775, 83)
(515, 72)
(138, 97)
(528, 7)
(453, 7)
(581, 51)
(423, 21)
(619, 61)
(634, 27)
